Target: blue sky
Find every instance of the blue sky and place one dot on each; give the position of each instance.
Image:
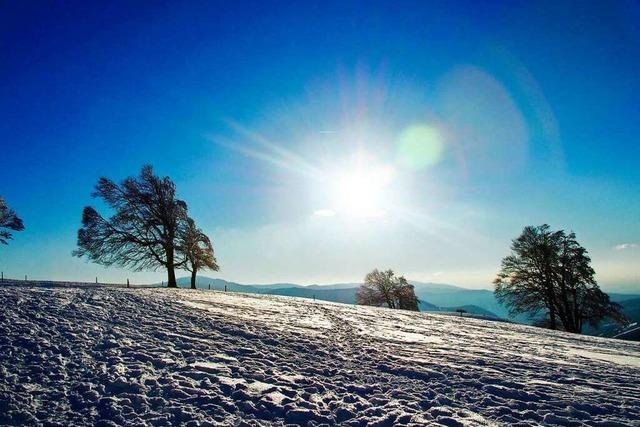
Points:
(287, 127)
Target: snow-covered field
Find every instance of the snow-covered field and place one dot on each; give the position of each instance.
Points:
(85, 356)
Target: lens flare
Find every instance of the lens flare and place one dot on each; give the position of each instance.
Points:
(419, 146)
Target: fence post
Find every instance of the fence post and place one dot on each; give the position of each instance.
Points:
(127, 282)
(96, 280)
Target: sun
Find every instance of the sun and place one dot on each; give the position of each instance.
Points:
(362, 192)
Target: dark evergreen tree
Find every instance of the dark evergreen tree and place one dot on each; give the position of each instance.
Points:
(143, 231)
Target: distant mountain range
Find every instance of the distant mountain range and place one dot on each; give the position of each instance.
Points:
(434, 297)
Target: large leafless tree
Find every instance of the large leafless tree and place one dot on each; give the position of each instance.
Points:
(9, 220)
(142, 233)
(383, 288)
(549, 273)
(197, 249)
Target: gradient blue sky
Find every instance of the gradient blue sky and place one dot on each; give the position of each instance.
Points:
(255, 109)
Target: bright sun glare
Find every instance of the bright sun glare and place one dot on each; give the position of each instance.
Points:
(361, 192)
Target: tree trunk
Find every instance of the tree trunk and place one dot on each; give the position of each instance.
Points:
(550, 303)
(552, 316)
(552, 311)
(171, 270)
(193, 279)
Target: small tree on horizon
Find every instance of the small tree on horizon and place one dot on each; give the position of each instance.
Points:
(382, 288)
(549, 272)
(142, 233)
(197, 250)
(9, 220)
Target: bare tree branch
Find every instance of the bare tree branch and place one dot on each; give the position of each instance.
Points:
(9, 220)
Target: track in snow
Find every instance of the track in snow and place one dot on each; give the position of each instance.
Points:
(84, 356)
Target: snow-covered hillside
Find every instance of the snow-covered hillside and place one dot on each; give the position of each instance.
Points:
(81, 356)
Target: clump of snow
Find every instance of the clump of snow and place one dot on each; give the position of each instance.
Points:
(91, 355)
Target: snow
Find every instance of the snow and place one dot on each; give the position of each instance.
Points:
(113, 356)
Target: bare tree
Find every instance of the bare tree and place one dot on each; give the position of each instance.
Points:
(384, 288)
(368, 294)
(197, 250)
(405, 295)
(549, 272)
(379, 287)
(9, 220)
(525, 282)
(142, 233)
(579, 299)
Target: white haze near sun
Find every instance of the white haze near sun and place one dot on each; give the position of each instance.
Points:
(372, 170)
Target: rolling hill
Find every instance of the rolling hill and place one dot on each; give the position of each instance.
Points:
(95, 355)
(434, 297)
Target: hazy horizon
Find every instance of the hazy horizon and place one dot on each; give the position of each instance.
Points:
(147, 278)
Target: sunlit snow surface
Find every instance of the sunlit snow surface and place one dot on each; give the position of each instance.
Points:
(79, 356)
